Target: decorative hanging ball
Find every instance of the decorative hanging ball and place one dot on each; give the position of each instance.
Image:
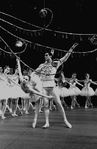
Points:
(52, 51)
(19, 44)
(93, 39)
(43, 13)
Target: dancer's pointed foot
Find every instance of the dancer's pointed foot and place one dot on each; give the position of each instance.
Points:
(68, 124)
(34, 124)
(26, 112)
(86, 107)
(46, 126)
(3, 117)
(14, 114)
(72, 107)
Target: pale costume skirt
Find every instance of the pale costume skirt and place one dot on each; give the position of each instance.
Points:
(87, 91)
(74, 91)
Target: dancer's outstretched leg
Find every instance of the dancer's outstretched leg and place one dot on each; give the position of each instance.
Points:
(36, 113)
(46, 111)
(56, 98)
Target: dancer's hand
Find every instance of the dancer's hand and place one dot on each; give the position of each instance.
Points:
(50, 96)
(74, 45)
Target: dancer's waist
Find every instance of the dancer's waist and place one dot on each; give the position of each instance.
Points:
(48, 83)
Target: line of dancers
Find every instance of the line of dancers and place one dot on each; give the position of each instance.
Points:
(14, 95)
(73, 90)
(41, 87)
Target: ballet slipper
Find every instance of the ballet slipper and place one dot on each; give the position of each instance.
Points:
(46, 126)
(3, 117)
(72, 107)
(15, 114)
(68, 124)
(86, 107)
(26, 112)
(34, 124)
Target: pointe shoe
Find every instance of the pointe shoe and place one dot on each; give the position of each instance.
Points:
(26, 112)
(71, 107)
(14, 114)
(34, 124)
(68, 124)
(46, 126)
(86, 107)
(3, 117)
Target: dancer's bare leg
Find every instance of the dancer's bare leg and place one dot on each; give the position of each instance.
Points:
(36, 113)
(57, 100)
(3, 108)
(9, 104)
(46, 111)
(40, 105)
(26, 105)
(14, 106)
(86, 103)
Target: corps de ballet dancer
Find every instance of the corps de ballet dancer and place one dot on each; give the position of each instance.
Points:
(75, 91)
(3, 95)
(12, 102)
(47, 74)
(61, 85)
(88, 91)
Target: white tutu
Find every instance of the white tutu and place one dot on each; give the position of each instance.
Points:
(16, 92)
(4, 91)
(62, 92)
(11, 91)
(35, 79)
(96, 92)
(87, 91)
(74, 91)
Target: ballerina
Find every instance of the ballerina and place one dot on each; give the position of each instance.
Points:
(88, 91)
(75, 91)
(4, 91)
(64, 92)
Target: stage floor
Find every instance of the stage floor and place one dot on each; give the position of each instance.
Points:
(17, 133)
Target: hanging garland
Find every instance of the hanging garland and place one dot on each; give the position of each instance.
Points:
(11, 52)
(7, 47)
(39, 29)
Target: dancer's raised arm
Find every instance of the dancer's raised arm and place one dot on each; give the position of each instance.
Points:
(64, 58)
(19, 69)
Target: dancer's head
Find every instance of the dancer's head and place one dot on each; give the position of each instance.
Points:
(74, 75)
(1, 69)
(48, 57)
(26, 78)
(6, 70)
(87, 76)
